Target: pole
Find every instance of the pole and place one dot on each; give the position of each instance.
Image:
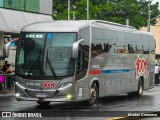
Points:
(69, 3)
(73, 15)
(87, 9)
(24, 5)
(19, 4)
(127, 21)
(149, 13)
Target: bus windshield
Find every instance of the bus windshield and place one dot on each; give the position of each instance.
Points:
(45, 54)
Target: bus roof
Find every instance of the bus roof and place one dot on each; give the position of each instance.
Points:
(76, 25)
(55, 26)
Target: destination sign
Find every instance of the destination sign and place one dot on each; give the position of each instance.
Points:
(34, 35)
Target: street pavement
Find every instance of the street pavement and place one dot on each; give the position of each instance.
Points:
(150, 101)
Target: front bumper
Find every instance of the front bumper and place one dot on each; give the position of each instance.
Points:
(45, 99)
(55, 95)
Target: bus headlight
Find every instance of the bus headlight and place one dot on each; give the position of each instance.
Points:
(21, 85)
(65, 85)
(17, 95)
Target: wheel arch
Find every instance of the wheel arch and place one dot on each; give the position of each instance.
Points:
(95, 80)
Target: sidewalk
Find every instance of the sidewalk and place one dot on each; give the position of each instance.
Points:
(7, 93)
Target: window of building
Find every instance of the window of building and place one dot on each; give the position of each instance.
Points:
(24, 5)
(11, 37)
(1, 3)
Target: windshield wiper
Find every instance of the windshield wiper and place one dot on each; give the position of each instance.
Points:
(51, 67)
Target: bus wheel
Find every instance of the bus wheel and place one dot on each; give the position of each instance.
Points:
(140, 88)
(93, 95)
(139, 92)
(43, 103)
(130, 95)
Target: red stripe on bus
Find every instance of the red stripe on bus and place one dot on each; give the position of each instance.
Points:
(95, 72)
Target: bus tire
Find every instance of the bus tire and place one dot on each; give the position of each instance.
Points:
(130, 95)
(93, 95)
(43, 103)
(139, 92)
(140, 88)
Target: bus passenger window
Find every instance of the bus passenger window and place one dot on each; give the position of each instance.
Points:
(145, 45)
(120, 47)
(152, 46)
(82, 62)
(96, 50)
(130, 49)
(107, 47)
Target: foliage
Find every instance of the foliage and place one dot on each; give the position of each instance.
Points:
(110, 10)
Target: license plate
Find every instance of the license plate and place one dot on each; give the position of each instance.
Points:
(41, 99)
(41, 95)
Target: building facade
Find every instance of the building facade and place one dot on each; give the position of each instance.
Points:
(156, 33)
(37, 6)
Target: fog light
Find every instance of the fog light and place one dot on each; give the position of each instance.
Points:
(17, 94)
(69, 96)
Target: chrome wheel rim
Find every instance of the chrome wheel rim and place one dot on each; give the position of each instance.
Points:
(93, 95)
(140, 90)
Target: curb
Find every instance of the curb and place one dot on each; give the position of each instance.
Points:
(7, 95)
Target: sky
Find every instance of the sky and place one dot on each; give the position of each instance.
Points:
(154, 1)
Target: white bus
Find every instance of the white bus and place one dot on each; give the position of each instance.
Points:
(70, 61)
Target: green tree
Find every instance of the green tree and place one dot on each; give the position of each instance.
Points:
(110, 10)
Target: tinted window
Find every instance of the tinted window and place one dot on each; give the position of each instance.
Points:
(130, 42)
(145, 44)
(97, 42)
(151, 44)
(120, 42)
(111, 41)
(108, 40)
(35, 58)
(138, 44)
(83, 54)
(24, 5)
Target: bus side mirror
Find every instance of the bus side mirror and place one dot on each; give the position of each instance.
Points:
(75, 48)
(6, 48)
